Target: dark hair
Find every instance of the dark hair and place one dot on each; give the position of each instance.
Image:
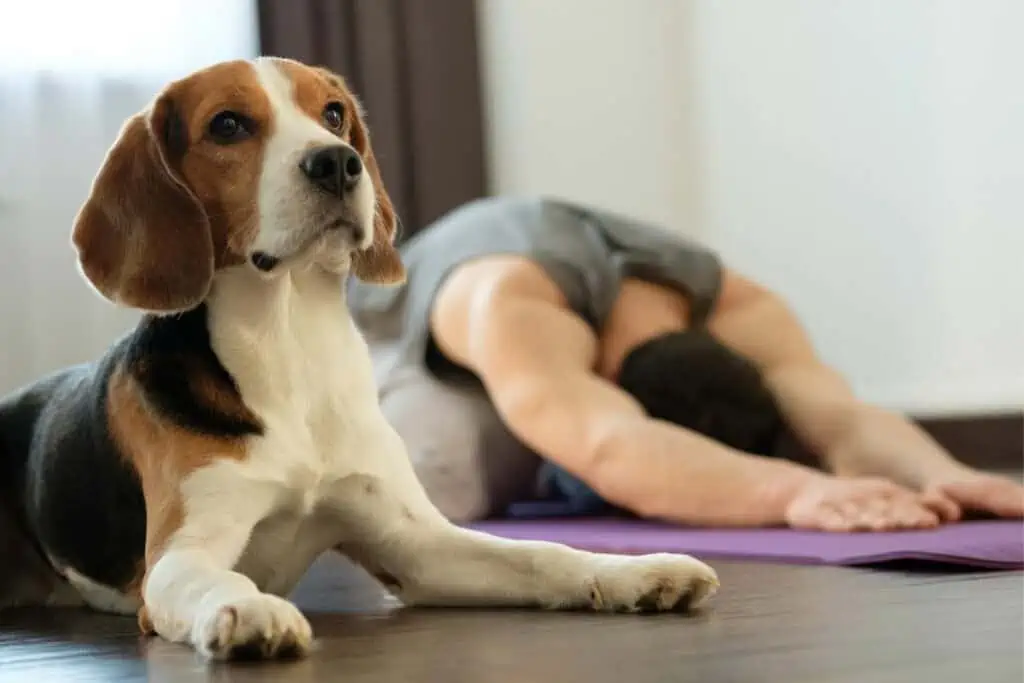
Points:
(692, 380)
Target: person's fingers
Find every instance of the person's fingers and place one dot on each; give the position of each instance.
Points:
(871, 516)
(853, 514)
(830, 518)
(909, 514)
(876, 506)
(923, 518)
(883, 488)
(945, 507)
(1005, 499)
(886, 513)
(878, 518)
(996, 495)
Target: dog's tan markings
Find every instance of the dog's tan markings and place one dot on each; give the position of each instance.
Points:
(214, 394)
(207, 388)
(170, 205)
(314, 87)
(225, 178)
(145, 623)
(162, 454)
(142, 238)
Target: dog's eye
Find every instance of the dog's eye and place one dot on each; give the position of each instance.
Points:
(334, 115)
(227, 127)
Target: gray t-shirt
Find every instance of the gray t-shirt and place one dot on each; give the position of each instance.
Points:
(586, 252)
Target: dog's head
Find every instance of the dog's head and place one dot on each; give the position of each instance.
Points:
(243, 164)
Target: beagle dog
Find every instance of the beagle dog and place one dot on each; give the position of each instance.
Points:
(194, 472)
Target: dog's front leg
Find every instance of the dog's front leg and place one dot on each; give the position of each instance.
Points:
(399, 536)
(192, 595)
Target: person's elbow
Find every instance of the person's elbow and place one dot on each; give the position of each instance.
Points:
(562, 418)
(614, 469)
(539, 410)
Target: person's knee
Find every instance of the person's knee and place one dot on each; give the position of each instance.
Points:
(465, 460)
(441, 449)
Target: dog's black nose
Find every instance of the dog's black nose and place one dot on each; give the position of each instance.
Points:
(335, 169)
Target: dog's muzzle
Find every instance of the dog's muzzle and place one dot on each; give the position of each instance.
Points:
(336, 170)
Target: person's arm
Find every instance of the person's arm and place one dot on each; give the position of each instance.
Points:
(852, 438)
(874, 442)
(535, 358)
(816, 401)
(653, 468)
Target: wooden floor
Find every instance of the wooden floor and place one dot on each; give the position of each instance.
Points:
(771, 623)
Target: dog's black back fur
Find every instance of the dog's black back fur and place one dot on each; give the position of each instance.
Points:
(64, 484)
(66, 490)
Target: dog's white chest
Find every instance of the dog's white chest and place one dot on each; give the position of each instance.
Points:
(305, 371)
(301, 366)
(318, 405)
(283, 546)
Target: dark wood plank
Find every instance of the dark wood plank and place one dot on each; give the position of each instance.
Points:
(993, 440)
(771, 623)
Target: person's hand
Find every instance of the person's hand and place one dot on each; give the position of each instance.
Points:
(978, 491)
(862, 504)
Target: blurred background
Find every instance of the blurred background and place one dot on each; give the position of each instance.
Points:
(865, 158)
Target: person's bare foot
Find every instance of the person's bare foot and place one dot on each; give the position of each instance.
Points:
(864, 504)
(976, 491)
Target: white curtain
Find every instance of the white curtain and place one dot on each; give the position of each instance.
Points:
(70, 74)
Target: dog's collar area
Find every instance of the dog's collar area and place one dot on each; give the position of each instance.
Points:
(264, 261)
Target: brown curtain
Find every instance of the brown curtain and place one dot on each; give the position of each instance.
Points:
(414, 65)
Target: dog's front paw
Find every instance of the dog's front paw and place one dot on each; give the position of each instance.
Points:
(652, 583)
(259, 627)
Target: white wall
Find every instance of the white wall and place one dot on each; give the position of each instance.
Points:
(66, 87)
(583, 101)
(863, 157)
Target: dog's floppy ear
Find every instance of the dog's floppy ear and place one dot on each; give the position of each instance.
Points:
(142, 238)
(381, 263)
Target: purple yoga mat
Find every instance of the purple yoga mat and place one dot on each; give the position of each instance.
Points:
(989, 544)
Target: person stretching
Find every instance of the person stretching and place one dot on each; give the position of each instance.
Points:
(623, 366)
